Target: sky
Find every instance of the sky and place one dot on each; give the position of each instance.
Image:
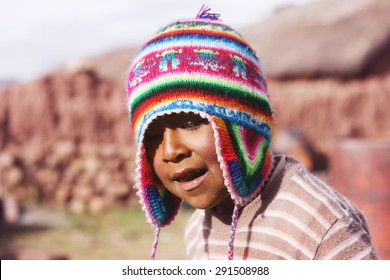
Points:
(37, 36)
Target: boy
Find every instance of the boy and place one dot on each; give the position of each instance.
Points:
(202, 118)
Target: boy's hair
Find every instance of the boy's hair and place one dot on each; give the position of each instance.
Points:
(203, 66)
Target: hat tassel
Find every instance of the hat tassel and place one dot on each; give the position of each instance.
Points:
(155, 242)
(233, 229)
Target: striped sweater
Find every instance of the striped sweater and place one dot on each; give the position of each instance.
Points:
(295, 217)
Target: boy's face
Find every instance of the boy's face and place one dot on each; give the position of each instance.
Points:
(182, 152)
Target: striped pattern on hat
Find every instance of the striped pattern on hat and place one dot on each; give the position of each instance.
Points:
(202, 66)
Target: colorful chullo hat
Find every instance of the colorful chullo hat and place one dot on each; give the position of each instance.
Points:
(203, 66)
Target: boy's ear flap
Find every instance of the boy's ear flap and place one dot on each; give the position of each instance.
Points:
(159, 204)
(246, 159)
(163, 205)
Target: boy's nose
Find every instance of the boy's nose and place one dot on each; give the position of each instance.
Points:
(174, 149)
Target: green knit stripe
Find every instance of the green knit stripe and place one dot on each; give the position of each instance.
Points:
(214, 85)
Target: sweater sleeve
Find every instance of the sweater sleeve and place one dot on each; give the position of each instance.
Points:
(347, 239)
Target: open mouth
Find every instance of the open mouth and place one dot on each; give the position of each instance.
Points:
(188, 176)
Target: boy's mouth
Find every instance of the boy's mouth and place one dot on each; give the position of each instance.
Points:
(188, 175)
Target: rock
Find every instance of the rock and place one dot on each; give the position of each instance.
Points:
(11, 209)
(77, 206)
(103, 180)
(35, 154)
(118, 190)
(97, 205)
(63, 194)
(6, 160)
(64, 152)
(82, 193)
(91, 164)
(13, 177)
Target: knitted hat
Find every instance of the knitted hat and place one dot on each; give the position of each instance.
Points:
(203, 66)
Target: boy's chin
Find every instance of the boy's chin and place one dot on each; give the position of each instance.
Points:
(212, 205)
(201, 205)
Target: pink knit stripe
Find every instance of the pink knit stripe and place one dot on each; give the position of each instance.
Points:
(155, 51)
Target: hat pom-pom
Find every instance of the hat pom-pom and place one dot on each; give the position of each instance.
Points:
(204, 14)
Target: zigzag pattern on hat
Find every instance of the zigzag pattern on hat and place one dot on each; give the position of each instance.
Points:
(246, 157)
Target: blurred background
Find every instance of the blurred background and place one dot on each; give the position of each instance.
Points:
(66, 148)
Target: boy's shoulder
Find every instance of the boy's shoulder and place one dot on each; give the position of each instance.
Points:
(298, 195)
(300, 207)
(297, 187)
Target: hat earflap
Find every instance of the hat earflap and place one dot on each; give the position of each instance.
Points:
(246, 159)
(160, 205)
